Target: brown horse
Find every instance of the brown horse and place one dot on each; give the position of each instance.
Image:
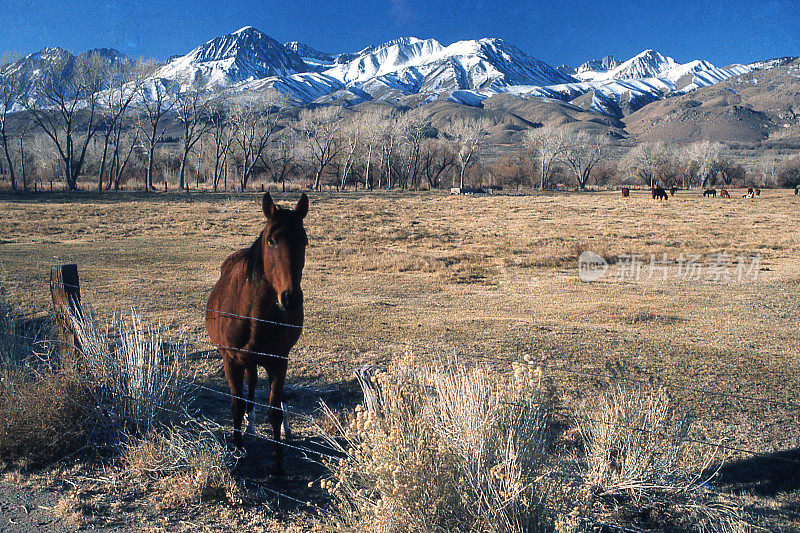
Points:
(724, 194)
(626, 192)
(673, 190)
(255, 314)
(710, 192)
(659, 193)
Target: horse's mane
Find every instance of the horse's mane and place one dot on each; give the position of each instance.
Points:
(253, 262)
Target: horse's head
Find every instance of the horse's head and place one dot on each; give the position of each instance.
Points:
(284, 250)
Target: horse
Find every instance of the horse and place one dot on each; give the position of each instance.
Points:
(626, 192)
(797, 190)
(254, 315)
(724, 194)
(750, 192)
(672, 190)
(758, 192)
(710, 192)
(660, 193)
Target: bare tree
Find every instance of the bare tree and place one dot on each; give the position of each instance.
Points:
(515, 169)
(10, 93)
(437, 157)
(351, 133)
(582, 153)
(389, 137)
(645, 161)
(124, 83)
(222, 135)
(322, 129)
(284, 156)
(467, 135)
(255, 124)
(412, 130)
(69, 89)
(373, 124)
(192, 115)
(547, 145)
(706, 154)
(157, 100)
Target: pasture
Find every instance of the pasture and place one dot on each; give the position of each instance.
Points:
(490, 278)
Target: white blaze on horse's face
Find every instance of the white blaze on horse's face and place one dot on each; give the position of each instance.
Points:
(285, 243)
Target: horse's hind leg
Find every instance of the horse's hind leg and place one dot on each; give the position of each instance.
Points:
(251, 375)
(235, 375)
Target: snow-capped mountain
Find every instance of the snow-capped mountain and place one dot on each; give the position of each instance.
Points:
(412, 64)
(244, 55)
(413, 71)
(34, 68)
(598, 65)
(648, 64)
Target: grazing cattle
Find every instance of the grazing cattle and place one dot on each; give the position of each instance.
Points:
(710, 192)
(659, 193)
(672, 190)
(724, 194)
(255, 314)
(626, 192)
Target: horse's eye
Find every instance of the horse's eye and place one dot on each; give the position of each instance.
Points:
(271, 241)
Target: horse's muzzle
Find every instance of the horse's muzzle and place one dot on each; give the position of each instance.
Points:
(291, 300)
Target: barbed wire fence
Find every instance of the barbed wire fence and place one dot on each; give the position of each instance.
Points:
(315, 455)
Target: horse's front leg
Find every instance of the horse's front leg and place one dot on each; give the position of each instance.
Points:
(235, 375)
(277, 377)
(251, 375)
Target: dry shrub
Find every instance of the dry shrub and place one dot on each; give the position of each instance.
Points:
(125, 383)
(134, 374)
(188, 463)
(42, 411)
(42, 417)
(452, 449)
(641, 465)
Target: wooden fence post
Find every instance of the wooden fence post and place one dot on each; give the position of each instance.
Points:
(66, 293)
(365, 376)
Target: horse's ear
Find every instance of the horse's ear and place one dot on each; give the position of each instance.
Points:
(302, 206)
(270, 209)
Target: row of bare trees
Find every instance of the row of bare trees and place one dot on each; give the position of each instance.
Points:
(90, 116)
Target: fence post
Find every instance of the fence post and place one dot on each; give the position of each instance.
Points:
(66, 293)
(364, 375)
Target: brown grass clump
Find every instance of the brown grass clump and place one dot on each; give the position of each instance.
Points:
(42, 417)
(42, 410)
(451, 449)
(189, 465)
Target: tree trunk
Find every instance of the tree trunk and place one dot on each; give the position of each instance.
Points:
(10, 164)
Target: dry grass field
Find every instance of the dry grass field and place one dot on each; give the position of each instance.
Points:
(489, 278)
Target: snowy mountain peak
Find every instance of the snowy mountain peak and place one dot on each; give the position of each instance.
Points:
(305, 51)
(245, 29)
(648, 64)
(245, 54)
(598, 65)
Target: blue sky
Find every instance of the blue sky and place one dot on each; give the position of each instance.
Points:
(721, 31)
